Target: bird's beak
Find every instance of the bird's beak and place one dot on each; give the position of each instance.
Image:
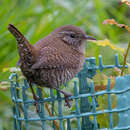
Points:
(89, 37)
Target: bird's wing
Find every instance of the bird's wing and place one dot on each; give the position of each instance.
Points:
(51, 58)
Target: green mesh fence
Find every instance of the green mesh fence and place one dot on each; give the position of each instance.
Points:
(85, 113)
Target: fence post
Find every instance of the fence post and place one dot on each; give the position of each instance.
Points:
(84, 88)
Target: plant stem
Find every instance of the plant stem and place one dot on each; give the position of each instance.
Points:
(125, 57)
(50, 113)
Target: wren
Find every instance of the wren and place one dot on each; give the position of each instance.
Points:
(53, 60)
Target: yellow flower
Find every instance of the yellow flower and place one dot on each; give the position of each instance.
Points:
(106, 42)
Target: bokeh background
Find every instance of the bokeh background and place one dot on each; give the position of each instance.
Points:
(37, 18)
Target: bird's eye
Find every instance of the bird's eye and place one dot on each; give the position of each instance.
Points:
(72, 35)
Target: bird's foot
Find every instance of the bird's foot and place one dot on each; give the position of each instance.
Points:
(67, 100)
(66, 95)
(36, 98)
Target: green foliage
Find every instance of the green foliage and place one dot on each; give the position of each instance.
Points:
(37, 18)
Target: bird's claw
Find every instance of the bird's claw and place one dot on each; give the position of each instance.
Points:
(68, 102)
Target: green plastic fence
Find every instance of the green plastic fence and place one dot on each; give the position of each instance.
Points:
(84, 98)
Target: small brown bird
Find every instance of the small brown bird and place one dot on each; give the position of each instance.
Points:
(53, 60)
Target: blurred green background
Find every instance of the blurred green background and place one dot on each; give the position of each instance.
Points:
(37, 18)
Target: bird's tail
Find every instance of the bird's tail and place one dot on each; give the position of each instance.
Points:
(16, 33)
(24, 47)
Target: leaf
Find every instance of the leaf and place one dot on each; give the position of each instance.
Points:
(102, 87)
(106, 42)
(4, 88)
(101, 81)
(127, 2)
(116, 71)
(4, 85)
(11, 69)
(112, 21)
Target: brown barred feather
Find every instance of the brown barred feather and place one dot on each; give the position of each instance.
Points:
(53, 60)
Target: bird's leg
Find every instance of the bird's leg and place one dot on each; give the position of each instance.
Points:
(34, 97)
(66, 95)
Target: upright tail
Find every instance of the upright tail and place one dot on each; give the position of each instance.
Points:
(16, 33)
(24, 47)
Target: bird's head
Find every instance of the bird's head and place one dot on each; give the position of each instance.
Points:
(72, 35)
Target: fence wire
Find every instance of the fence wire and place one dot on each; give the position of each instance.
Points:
(86, 110)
